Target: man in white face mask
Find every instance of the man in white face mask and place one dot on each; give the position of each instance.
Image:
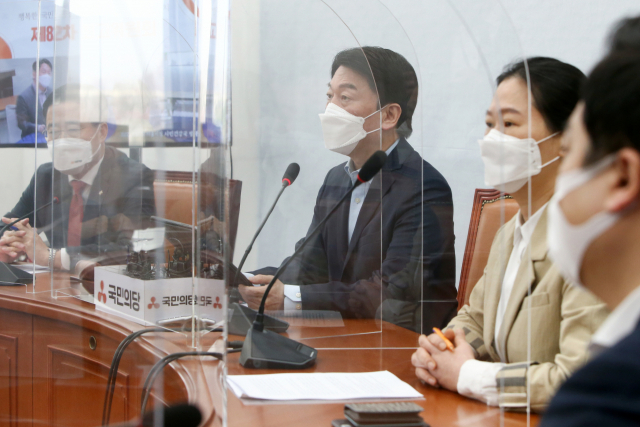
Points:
(594, 238)
(102, 194)
(363, 263)
(32, 99)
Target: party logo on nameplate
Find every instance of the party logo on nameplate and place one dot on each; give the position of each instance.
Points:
(154, 301)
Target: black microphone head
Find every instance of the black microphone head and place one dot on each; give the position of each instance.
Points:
(372, 166)
(179, 415)
(291, 173)
(56, 200)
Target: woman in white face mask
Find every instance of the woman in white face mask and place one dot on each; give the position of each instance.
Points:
(594, 238)
(494, 356)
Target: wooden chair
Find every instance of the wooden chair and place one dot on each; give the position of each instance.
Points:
(486, 218)
(174, 199)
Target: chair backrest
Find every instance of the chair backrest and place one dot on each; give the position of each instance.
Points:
(486, 219)
(174, 199)
(15, 134)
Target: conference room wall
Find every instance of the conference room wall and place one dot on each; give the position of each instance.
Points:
(571, 30)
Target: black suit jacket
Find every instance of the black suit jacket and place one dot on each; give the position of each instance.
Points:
(121, 200)
(26, 110)
(400, 263)
(605, 392)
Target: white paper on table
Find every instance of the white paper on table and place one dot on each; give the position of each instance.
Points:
(322, 386)
(32, 268)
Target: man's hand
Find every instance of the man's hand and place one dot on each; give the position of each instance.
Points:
(31, 243)
(444, 366)
(9, 252)
(365, 299)
(253, 295)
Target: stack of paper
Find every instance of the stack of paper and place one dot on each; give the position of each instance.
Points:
(322, 386)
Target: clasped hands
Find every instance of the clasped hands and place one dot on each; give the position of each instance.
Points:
(24, 240)
(436, 365)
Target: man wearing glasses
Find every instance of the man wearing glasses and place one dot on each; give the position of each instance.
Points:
(102, 195)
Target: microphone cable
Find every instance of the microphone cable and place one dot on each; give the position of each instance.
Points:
(159, 366)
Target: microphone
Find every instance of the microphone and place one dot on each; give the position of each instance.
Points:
(290, 174)
(242, 317)
(288, 178)
(54, 201)
(265, 349)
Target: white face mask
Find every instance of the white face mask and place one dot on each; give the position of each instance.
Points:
(72, 154)
(567, 242)
(509, 162)
(44, 80)
(342, 130)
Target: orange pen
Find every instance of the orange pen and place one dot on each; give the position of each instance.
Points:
(446, 341)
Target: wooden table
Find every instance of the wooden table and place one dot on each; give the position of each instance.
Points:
(55, 353)
(364, 346)
(50, 373)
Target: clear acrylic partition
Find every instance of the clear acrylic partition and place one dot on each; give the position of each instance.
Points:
(130, 184)
(282, 57)
(460, 64)
(152, 238)
(276, 122)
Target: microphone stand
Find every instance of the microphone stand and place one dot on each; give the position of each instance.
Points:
(285, 184)
(241, 317)
(264, 349)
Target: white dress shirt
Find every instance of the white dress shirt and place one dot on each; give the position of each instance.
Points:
(292, 292)
(478, 379)
(620, 323)
(88, 179)
(42, 95)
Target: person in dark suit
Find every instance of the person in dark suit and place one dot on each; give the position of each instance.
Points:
(388, 252)
(28, 100)
(103, 195)
(594, 238)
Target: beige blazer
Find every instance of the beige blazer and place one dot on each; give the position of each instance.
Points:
(562, 319)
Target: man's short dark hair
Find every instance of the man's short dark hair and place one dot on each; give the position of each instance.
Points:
(625, 35)
(93, 105)
(389, 75)
(612, 110)
(38, 64)
(61, 94)
(555, 86)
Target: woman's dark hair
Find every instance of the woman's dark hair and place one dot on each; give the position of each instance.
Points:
(612, 105)
(555, 86)
(395, 79)
(625, 35)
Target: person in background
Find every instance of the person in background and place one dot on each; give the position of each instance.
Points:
(103, 195)
(526, 328)
(32, 99)
(388, 252)
(626, 35)
(594, 238)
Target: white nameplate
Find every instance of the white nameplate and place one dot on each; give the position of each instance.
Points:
(148, 302)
